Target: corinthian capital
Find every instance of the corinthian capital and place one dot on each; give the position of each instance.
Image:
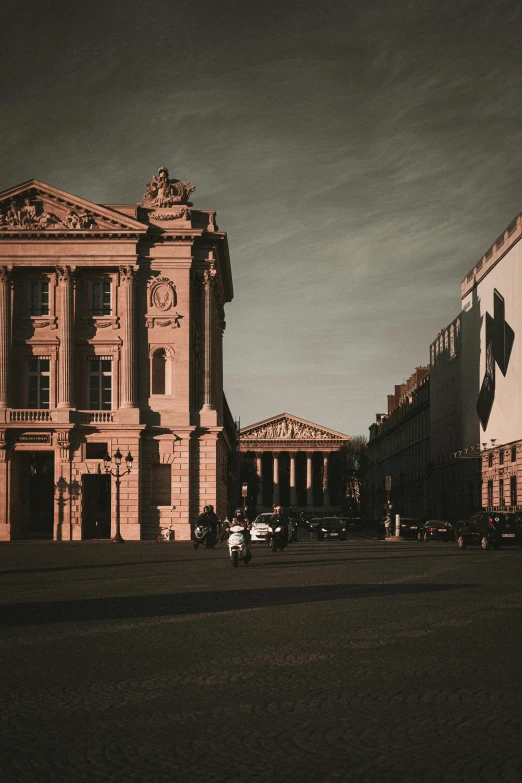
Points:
(65, 273)
(208, 278)
(128, 273)
(5, 274)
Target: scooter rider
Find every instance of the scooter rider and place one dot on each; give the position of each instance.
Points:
(278, 519)
(209, 518)
(240, 520)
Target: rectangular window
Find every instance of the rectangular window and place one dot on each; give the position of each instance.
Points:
(38, 382)
(501, 492)
(500, 457)
(101, 296)
(100, 383)
(513, 490)
(513, 453)
(490, 492)
(39, 296)
(96, 450)
(161, 485)
(490, 460)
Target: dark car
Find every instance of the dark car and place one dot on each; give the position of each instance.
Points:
(437, 530)
(410, 527)
(329, 527)
(351, 523)
(490, 529)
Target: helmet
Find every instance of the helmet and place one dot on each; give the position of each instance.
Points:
(207, 508)
(211, 508)
(238, 511)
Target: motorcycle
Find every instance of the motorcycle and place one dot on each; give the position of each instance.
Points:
(276, 538)
(203, 535)
(165, 534)
(237, 547)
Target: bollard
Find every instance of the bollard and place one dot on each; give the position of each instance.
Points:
(397, 525)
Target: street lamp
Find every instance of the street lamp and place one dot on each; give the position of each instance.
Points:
(117, 475)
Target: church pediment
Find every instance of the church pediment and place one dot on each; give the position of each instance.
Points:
(288, 428)
(35, 206)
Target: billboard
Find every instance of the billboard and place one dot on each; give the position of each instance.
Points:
(492, 353)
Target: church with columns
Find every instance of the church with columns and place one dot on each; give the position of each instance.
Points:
(294, 460)
(111, 332)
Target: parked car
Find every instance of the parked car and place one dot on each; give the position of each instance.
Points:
(330, 527)
(437, 530)
(491, 530)
(259, 529)
(410, 527)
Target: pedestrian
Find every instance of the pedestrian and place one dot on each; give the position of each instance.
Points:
(387, 526)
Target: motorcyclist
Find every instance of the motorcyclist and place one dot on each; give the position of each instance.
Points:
(208, 517)
(279, 519)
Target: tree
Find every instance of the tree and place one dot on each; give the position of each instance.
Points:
(354, 464)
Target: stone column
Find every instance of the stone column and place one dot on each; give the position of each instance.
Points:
(309, 481)
(128, 388)
(275, 496)
(66, 354)
(326, 491)
(293, 488)
(208, 390)
(5, 338)
(259, 469)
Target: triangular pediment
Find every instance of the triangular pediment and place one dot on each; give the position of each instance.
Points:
(34, 206)
(288, 427)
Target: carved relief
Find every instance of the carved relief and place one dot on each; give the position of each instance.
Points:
(3, 446)
(164, 192)
(184, 212)
(173, 321)
(5, 274)
(64, 444)
(30, 211)
(162, 293)
(79, 218)
(288, 428)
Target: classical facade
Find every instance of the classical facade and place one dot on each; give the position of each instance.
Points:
(399, 447)
(293, 459)
(111, 325)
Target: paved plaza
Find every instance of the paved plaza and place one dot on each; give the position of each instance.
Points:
(361, 660)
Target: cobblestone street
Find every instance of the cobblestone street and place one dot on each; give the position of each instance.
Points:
(339, 661)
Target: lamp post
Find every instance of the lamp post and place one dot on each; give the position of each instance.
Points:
(117, 475)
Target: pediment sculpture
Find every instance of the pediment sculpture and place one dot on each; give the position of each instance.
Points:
(287, 428)
(165, 192)
(36, 211)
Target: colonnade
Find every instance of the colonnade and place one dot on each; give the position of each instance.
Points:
(293, 478)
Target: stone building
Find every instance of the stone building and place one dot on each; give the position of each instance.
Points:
(111, 325)
(293, 460)
(454, 450)
(491, 294)
(399, 446)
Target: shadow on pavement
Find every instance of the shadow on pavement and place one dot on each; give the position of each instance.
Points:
(126, 607)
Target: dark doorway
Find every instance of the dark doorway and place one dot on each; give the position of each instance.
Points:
(36, 482)
(96, 513)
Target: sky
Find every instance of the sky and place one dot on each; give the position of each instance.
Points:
(361, 156)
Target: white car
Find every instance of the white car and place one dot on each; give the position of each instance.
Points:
(259, 530)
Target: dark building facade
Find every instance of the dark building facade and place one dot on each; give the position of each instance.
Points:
(399, 447)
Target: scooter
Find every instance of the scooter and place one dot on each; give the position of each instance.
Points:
(203, 535)
(276, 538)
(165, 534)
(237, 547)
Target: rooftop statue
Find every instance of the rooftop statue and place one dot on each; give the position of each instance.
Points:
(164, 192)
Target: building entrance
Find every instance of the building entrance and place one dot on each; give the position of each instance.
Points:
(35, 493)
(96, 513)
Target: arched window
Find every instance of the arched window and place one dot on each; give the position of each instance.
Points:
(159, 366)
